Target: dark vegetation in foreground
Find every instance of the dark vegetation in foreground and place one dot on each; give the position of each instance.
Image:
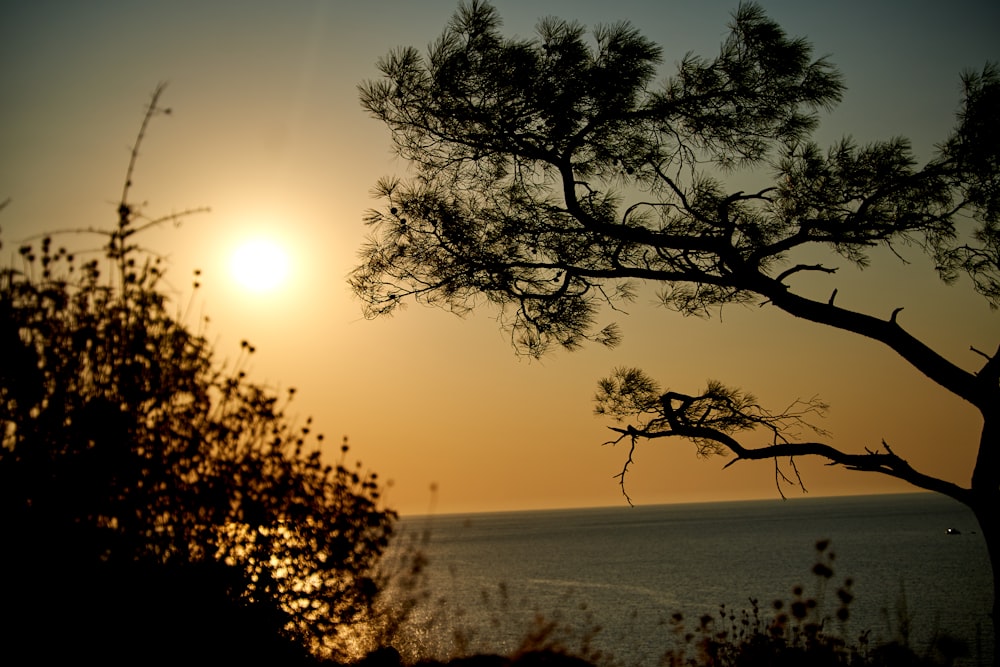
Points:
(153, 500)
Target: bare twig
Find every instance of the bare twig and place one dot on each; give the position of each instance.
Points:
(124, 210)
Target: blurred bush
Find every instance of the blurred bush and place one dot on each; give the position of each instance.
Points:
(150, 495)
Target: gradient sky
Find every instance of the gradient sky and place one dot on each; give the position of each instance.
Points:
(267, 131)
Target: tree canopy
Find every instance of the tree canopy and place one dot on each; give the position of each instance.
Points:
(132, 458)
(552, 175)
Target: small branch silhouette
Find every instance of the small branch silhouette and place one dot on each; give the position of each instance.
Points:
(152, 109)
(128, 214)
(712, 419)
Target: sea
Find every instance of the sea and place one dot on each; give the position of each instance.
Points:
(628, 582)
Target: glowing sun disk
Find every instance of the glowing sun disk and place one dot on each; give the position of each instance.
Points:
(259, 265)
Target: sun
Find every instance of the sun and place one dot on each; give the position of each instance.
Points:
(260, 265)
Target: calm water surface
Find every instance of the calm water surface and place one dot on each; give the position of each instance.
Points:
(627, 570)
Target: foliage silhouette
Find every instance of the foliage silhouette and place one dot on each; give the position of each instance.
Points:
(550, 176)
(150, 496)
(805, 629)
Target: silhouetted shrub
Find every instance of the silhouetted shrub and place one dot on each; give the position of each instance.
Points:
(803, 630)
(149, 494)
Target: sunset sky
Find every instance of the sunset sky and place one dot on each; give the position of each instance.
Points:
(267, 131)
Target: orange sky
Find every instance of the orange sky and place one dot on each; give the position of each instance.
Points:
(268, 132)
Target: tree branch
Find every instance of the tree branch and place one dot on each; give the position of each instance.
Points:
(923, 358)
(885, 462)
(803, 267)
(990, 372)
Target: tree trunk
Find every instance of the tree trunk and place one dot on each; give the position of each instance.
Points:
(984, 500)
(985, 507)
